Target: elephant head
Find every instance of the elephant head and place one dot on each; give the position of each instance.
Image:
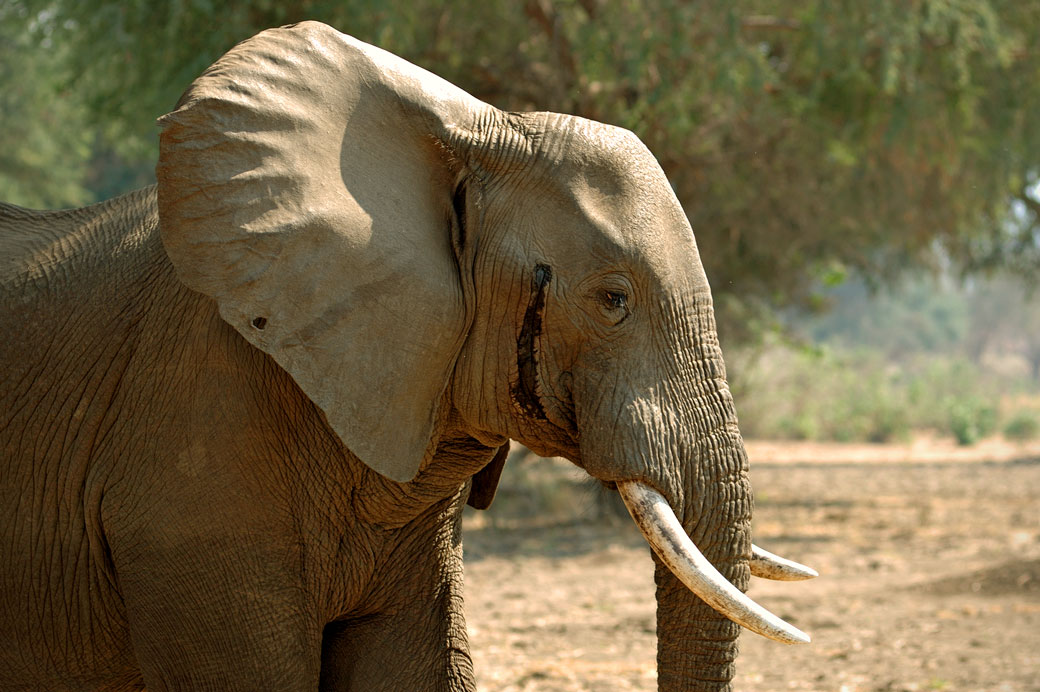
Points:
(423, 263)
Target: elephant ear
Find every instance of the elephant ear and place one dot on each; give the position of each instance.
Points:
(306, 183)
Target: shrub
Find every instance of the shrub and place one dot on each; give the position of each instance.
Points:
(862, 396)
(888, 423)
(971, 420)
(962, 425)
(1022, 426)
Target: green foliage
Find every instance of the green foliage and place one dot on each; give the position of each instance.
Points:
(907, 317)
(1024, 425)
(44, 145)
(809, 140)
(971, 420)
(956, 359)
(857, 396)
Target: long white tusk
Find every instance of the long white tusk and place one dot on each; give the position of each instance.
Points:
(666, 536)
(770, 566)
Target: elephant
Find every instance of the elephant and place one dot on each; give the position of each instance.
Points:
(243, 409)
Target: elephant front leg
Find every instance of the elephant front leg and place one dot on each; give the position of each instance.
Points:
(196, 629)
(417, 639)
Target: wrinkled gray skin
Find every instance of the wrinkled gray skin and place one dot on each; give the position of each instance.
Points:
(203, 397)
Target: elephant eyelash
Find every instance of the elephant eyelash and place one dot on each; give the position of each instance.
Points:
(616, 299)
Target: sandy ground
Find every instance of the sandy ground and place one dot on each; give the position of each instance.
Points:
(930, 579)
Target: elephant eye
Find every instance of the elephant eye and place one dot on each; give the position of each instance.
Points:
(616, 299)
(610, 298)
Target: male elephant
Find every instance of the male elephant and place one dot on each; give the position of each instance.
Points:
(242, 410)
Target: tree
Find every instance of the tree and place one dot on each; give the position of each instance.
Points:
(44, 143)
(1005, 318)
(808, 140)
(907, 318)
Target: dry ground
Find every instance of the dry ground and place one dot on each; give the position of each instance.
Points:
(930, 579)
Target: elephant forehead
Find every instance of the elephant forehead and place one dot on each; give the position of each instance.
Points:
(641, 226)
(616, 185)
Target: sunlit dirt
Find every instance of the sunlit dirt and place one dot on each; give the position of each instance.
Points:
(929, 558)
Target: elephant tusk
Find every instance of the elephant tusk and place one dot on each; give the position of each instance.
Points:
(666, 536)
(770, 566)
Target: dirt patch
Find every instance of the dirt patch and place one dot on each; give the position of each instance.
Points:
(930, 580)
(1018, 577)
(922, 449)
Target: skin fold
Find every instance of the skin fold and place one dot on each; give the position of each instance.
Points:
(242, 411)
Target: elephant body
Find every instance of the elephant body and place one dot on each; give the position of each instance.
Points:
(242, 410)
(154, 442)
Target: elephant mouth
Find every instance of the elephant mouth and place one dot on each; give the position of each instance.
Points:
(662, 530)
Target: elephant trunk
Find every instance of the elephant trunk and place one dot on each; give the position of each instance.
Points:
(697, 644)
(697, 647)
(675, 452)
(676, 439)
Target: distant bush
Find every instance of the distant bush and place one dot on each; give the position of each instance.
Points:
(1024, 425)
(970, 421)
(860, 396)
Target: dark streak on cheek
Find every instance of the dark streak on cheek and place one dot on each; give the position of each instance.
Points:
(525, 389)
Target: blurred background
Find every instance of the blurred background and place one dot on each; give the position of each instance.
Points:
(864, 182)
